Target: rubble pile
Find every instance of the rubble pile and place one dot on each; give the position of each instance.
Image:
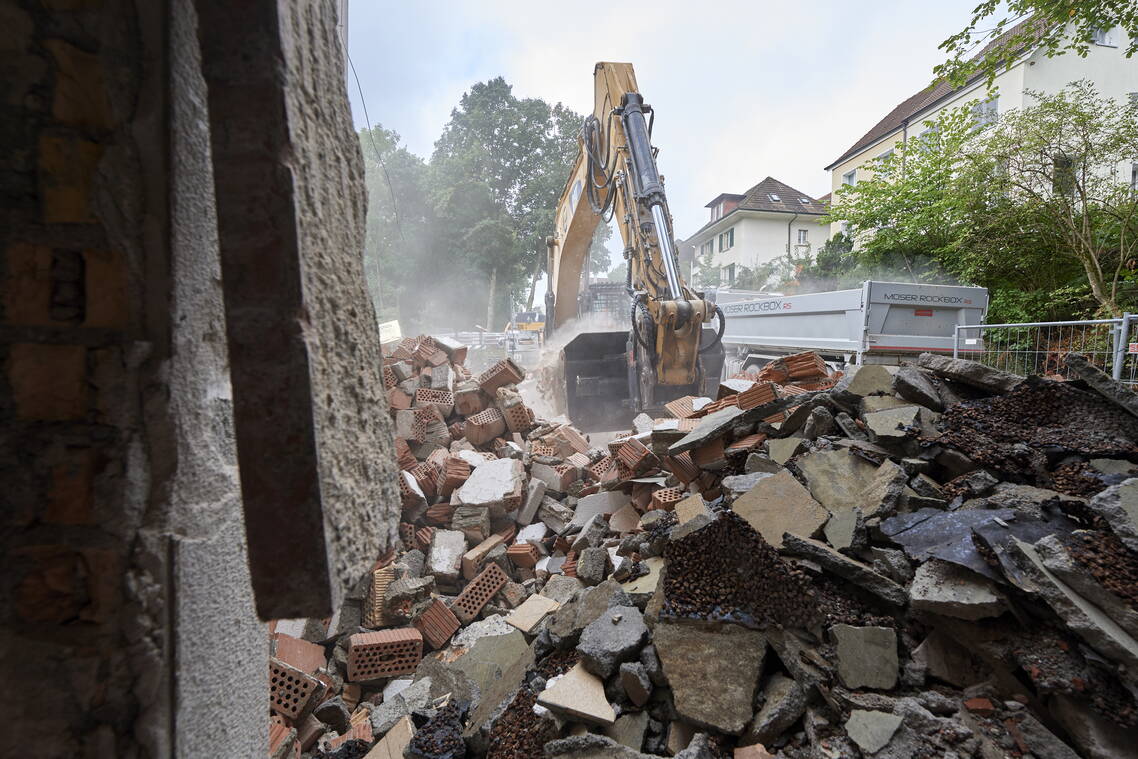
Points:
(936, 560)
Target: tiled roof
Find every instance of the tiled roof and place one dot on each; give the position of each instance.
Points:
(773, 195)
(762, 196)
(914, 104)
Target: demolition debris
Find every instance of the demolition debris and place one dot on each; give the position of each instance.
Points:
(935, 561)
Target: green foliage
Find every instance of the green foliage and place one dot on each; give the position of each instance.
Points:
(1057, 28)
(899, 207)
(475, 218)
(620, 273)
(1033, 207)
(1052, 173)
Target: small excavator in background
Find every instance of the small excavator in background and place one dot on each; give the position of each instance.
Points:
(667, 351)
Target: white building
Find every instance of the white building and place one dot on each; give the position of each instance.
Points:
(1105, 65)
(767, 221)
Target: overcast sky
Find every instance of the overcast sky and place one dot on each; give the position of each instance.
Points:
(742, 90)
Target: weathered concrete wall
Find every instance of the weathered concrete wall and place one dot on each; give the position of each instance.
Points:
(313, 437)
(220, 648)
(129, 624)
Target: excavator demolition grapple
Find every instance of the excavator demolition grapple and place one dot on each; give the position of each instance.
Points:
(667, 351)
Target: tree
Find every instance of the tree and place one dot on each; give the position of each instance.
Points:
(903, 212)
(500, 165)
(1057, 27)
(399, 219)
(1059, 171)
(619, 274)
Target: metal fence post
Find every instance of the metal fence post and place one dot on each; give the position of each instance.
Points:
(1121, 344)
(956, 341)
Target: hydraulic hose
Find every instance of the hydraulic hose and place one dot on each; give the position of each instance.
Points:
(719, 335)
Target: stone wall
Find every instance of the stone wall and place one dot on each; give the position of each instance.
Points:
(129, 625)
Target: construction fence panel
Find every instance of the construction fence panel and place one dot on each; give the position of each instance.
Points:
(1040, 347)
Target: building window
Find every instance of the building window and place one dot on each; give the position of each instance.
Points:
(845, 227)
(727, 240)
(731, 275)
(885, 155)
(1063, 176)
(803, 236)
(707, 248)
(774, 198)
(804, 201)
(986, 112)
(1104, 37)
(1134, 177)
(850, 177)
(1133, 99)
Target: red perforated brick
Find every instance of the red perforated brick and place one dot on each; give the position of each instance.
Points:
(454, 472)
(389, 380)
(438, 458)
(710, 455)
(425, 418)
(425, 475)
(359, 731)
(566, 476)
(443, 400)
(636, 456)
(523, 554)
(569, 566)
(578, 460)
(681, 408)
(573, 438)
(437, 623)
(397, 400)
(666, 498)
(683, 467)
(407, 534)
(543, 449)
(423, 537)
(518, 417)
(385, 653)
(806, 365)
(503, 373)
(424, 350)
(373, 605)
(762, 393)
(485, 426)
(480, 590)
(746, 444)
(597, 471)
(290, 690)
(403, 456)
(439, 515)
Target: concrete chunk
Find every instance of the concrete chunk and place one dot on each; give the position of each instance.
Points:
(611, 639)
(917, 386)
(953, 591)
(969, 373)
(867, 656)
(836, 478)
(444, 558)
(578, 694)
(496, 486)
(871, 730)
(713, 673)
(531, 613)
(778, 504)
(846, 568)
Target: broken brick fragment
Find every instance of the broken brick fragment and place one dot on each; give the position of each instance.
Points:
(385, 653)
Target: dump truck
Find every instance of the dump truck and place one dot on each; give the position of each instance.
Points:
(877, 323)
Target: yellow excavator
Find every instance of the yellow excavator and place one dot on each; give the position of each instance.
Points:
(667, 352)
